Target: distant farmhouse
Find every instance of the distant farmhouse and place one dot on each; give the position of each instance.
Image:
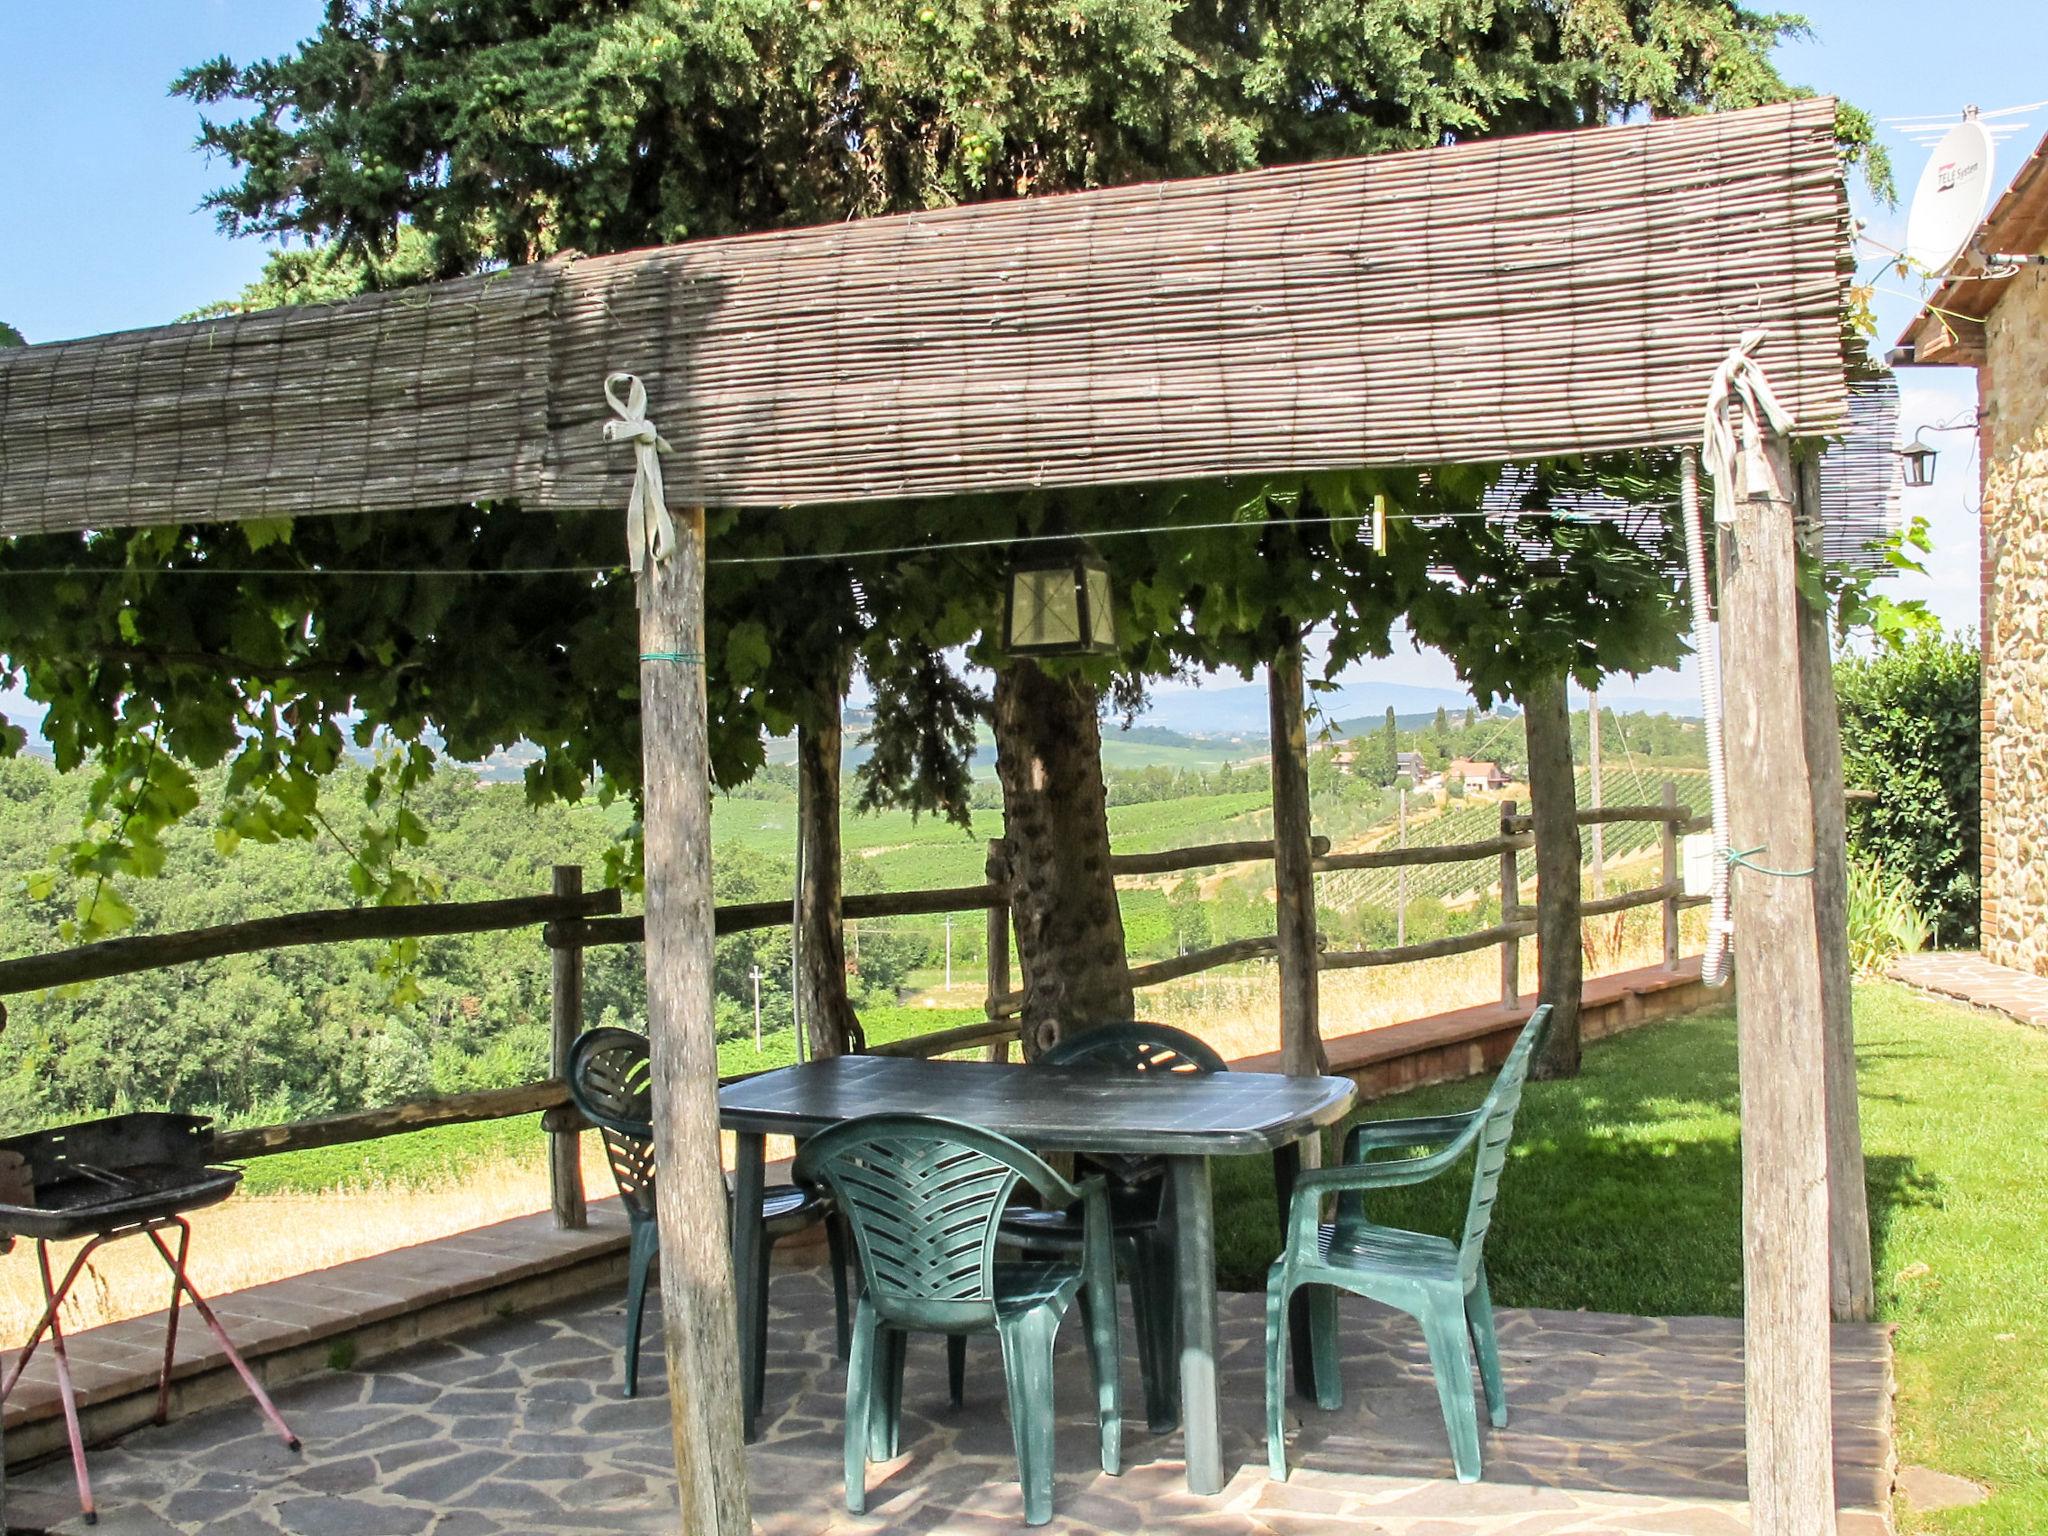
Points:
(1476, 777)
(1409, 765)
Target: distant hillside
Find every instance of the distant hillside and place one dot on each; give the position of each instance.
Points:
(1365, 725)
(1142, 746)
(1217, 708)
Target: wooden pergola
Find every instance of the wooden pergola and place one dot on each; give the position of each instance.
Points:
(1511, 300)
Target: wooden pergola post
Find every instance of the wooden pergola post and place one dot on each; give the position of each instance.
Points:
(1853, 1291)
(565, 1022)
(831, 1027)
(1781, 1010)
(700, 1326)
(1294, 877)
(1554, 822)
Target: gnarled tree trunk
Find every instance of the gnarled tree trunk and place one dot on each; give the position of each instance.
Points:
(1070, 935)
(1553, 814)
(830, 1025)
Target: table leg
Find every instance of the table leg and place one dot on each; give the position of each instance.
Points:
(1195, 1271)
(1286, 1169)
(749, 1255)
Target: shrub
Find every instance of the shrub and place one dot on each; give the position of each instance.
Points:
(1884, 922)
(1909, 737)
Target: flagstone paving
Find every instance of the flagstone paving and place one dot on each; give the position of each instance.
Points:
(1621, 1424)
(1967, 976)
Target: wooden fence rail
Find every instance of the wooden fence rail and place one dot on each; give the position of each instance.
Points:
(573, 920)
(340, 925)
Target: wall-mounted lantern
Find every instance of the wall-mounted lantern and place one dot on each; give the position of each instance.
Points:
(1059, 606)
(1919, 461)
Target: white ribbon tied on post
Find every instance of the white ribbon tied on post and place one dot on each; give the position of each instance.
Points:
(649, 528)
(1739, 380)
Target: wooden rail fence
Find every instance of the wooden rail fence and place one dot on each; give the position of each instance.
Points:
(573, 920)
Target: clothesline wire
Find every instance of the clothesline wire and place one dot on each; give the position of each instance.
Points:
(800, 556)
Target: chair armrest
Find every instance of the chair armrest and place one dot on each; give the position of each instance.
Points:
(1305, 1210)
(1421, 1131)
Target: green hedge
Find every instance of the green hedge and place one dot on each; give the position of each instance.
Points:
(1909, 736)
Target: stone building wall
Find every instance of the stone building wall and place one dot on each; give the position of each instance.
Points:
(2013, 407)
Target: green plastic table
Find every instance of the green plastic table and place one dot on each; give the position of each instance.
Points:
(1186, 1119)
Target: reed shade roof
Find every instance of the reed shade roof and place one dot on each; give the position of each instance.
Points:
(1860, 478)
(1513, 299)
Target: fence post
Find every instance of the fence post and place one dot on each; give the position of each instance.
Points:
(1294, 879)
(565, 1148)
(1671, 875)
(1401, 878)
(1510, 904)
(998, 940)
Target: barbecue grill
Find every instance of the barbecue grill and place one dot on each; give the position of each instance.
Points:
(124, 1176)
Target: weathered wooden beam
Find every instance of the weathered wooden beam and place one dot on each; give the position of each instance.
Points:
(829, 1023)
(1510, 899)
(1853, 1293)
(1553, 816)
(1596, 798)
(700, 1314)
(1607, 815)
(340, 925)
(1425, 853)
(565, 1023)
(1259, 947)
(1780, 1011)
(1673, 878)
(1433, 949)
(391, 1120)
(745, 916)
(1294, 878)
(1169, 860)
(1625, 900)
(997, 867)
(941, 1042)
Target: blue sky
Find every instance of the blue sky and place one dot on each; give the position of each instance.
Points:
(101, 229)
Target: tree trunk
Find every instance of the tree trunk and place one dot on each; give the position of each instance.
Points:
(1070, 935)
(1553, 816)
(830, 1025)
(700, 1313)
(1848, 1198)
(1294, 880)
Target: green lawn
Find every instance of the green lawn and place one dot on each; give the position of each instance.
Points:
(1624, 1195)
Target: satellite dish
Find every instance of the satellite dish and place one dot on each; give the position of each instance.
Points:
(1950, 200)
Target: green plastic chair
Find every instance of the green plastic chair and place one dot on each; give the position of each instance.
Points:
(924, 1197)
(1140, 1215)
(608, 1081)
(1440, 1283)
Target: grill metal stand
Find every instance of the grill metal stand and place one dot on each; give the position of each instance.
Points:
(181, 1285)
(127, 1176)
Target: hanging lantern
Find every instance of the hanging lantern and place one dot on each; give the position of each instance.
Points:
(1919, 461)
(1059, 606)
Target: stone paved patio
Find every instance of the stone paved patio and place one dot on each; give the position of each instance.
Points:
(1967, 976)
(1622, 1425)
